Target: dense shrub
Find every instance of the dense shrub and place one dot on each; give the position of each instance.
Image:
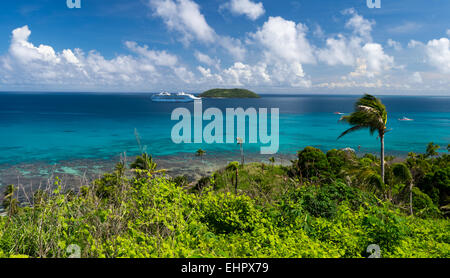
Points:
(135, 214)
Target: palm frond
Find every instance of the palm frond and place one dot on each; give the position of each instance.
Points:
(352, 129)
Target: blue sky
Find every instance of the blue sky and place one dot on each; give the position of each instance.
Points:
(301, 46)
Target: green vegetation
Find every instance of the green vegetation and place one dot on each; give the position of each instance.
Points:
(229, 93)
(330, 204)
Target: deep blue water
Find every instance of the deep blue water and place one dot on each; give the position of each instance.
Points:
(52, 127)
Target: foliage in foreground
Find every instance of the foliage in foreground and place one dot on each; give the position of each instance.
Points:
(324, 205)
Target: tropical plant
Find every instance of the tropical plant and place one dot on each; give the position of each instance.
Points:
(200, 153)
(372, 114)
(234, 167)
(402, 172)
(10, 203)
(432, 149)
(144, 164)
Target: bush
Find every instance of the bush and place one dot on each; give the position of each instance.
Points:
(227, 213)
(312, 162)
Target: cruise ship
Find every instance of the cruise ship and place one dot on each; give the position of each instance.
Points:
(168, 97)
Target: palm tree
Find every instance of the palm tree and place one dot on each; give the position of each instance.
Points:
(145, 163)
(432, 149)
(200, 153)
(234, 166)
(369, 113)
(402, 172)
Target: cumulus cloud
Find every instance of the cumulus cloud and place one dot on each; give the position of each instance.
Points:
(285, 48)
(339, 51)
(357, 50)
(26, 63)
(246, 7)
(205, 59)
(185, 17)
(438, 52)
(373, 61)
(233, 46)
(284, 39)
(361, 27)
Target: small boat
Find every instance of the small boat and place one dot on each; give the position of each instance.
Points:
(339, 113)
(405, 119)
(168, 97)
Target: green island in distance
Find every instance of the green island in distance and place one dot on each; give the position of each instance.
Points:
(229, 93)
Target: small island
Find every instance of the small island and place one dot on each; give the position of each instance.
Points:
(229, 93)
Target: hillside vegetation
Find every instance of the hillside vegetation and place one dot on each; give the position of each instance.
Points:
(229, 93)
(323, 205)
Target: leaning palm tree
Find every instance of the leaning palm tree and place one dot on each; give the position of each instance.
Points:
(369, 113)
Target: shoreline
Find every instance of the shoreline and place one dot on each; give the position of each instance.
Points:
(78, 172)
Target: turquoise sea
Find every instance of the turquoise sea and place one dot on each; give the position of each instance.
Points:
(52, 127)
(80, 135)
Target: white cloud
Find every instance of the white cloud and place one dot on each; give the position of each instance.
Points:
(357, 50)
(234, 47)
(414, 43)
(361, 26)
(394, 44)
(377, 60)
(205, 59)
(285, 49)
(160, 58)
(185, 17)
(42, 65)
(285, 40)
(339, 51)
(318, 32)
(352, 84)
(246, 7)
(438, 52)
(448, 32)
(407, 27)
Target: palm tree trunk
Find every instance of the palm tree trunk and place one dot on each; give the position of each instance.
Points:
(410, 198)
(236, 181)
(382, 157)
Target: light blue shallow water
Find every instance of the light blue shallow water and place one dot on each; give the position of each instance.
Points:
(50, 127)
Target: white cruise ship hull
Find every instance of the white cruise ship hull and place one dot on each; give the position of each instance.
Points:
(173, 100)
(166, 97)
